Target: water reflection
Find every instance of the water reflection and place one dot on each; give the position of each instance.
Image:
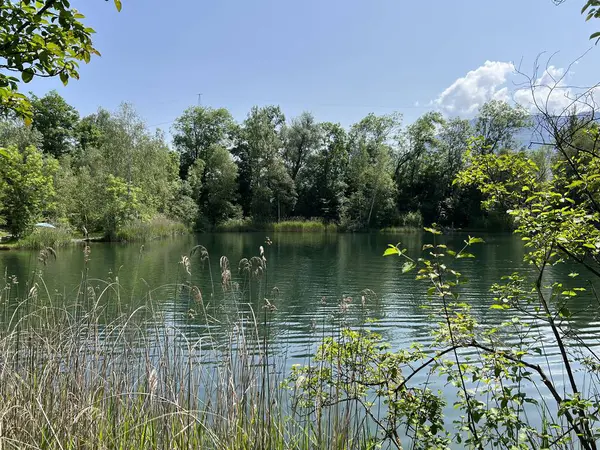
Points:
(311, 274)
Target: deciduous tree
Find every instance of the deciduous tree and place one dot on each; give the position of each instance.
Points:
(40, 39)
(26, 187)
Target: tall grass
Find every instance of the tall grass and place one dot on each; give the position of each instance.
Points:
(296, 226)
(108, 369)
(46, 237)
(411, 221)
(157, 228)
(243, 226)
(304, 226)
(72, 377)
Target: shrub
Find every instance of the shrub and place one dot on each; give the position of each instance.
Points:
(413, 219)
(46, 237)
(304, 226)
(243, 225)
(157, 228)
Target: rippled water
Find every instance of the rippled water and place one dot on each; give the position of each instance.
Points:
(312, 273)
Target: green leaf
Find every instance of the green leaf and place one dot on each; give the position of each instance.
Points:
(408, 266)
(576, 183)
(118, 5)
(54, 48)
(475, 240)
(497, 307)
(465, 255)
(585, 7)
(432, 230)
(565, 312)
(64, 77)
(391, 251)
(27, 75)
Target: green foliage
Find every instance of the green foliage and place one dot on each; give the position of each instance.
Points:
(322, 189)
(267, 191)
(56, 121)
(372, 203)
(591, 9)
(303, 226)
(557, 219)
(301, 139)
(121, 206)
(183, 207)
(13, 133)
(117, 148)
(40, 39)
(213, 182)
(378, 175)
(412, 219)
(505, 180)
(81, 196)
(158, 227)
(42, 238)
(242, 226)
(198, 130)
(26, 188)
(88, 130)
(497, 124)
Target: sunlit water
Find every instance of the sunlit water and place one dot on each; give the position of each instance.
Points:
(311, 273)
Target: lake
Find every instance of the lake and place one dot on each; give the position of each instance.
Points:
(307, 276)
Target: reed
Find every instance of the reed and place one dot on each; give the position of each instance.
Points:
(42, 238)
(296, 226)
(304, 226)
(73, 376)
(159, 227)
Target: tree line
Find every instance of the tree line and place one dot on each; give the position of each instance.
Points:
(103, 171)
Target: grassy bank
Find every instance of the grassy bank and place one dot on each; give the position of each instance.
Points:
(400, 230)
(157, 228)
(303, 226)
(42, 238)
(291, 226)
(242, 226)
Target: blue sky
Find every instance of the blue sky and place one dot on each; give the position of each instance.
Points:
(339, 59)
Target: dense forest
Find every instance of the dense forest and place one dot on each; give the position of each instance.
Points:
(105, 172)
(99, 173)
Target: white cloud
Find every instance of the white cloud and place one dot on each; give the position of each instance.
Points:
(551, 92)
(497, 80)
(466, 95)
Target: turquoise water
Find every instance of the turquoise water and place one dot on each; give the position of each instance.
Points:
(307, 276)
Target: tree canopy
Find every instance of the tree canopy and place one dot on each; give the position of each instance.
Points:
(40, 39)
(110, 170)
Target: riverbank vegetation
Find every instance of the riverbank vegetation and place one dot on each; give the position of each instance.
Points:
(108, 369)
(42, 238)
(73, 376)
(107, 172)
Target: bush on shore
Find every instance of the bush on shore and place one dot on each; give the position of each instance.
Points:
(157, 228)
(46, 237)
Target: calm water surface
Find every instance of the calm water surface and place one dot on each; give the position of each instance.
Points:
(312, 272)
